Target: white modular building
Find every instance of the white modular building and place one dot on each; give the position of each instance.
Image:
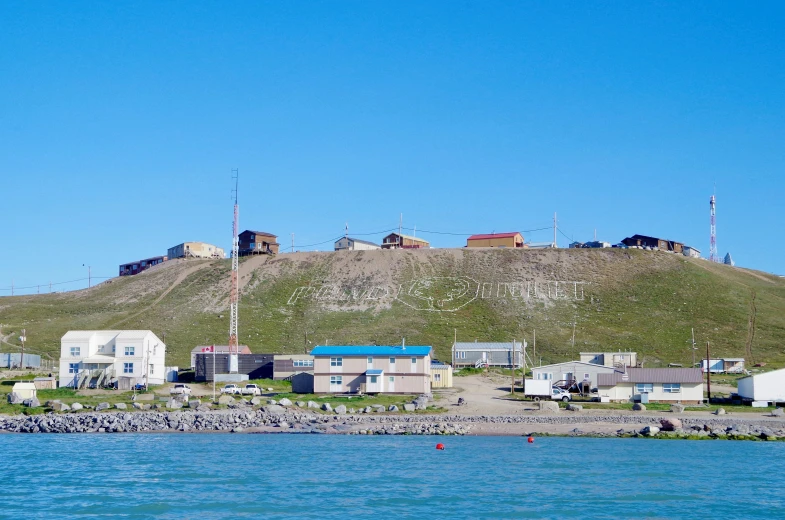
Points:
(355, 244)
(767, 387)
(95, 358)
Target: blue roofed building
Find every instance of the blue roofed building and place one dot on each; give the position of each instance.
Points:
(372, 369)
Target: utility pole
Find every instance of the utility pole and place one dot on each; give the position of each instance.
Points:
(89, 276)
(22, 338)
(147, 370)
(694, 348)
(292, 242)
(708, 373)
(573, 332)
(554, 229)
(12, 286)
(534, 352)
(400, 230)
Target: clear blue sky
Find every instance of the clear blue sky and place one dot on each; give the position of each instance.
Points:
(120, 123)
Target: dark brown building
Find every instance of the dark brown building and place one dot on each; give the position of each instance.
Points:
(258, 243)
(137, 267)
(660, 243)
(396, 241)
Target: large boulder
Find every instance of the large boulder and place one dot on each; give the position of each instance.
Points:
(121, 406)
(33, 402)
(274, 408)
(57, 406)
(669, 425)
(76, 407)
(574, 407)
(225, 399)
(256, 400)
(136, 406)
(174, 404)
(194, 403)
(100, 407)
(392, 408)
(549, 406)
(285, 402)
(638, 407)
(313, 404)
(14, 398)
(340, 409)
(300, 404)
(719, 411)
(204, 407)
(379, 408)
(677, 408)
(650, 430)
(327, 407)
(778, 412)
(408, 407)
(272, 401)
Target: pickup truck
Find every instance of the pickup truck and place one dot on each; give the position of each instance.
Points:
(251, 389)
(231, 388)
(180, 389)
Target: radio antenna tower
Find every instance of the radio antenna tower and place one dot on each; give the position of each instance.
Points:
(713, 256)
(234, 294)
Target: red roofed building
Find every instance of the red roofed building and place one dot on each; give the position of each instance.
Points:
(496, 240)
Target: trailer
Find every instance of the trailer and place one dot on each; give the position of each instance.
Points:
(763, 389)
(538, 389)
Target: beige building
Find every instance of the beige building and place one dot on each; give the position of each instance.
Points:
(674, 385)
(441, 375)
(354, 244)
(372, 369)
(195, 250)
(287, 365)
(397, 241)
(514, 239)
(610, 359)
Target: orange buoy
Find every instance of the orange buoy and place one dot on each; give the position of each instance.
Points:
(440, 446)
(530, 440)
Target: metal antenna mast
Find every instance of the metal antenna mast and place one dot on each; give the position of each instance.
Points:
(234, 295)
(713, 256)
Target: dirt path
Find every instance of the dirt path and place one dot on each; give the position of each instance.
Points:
(485, 394)
(180, 277)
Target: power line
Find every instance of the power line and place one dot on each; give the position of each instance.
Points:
(54, 283)
(469, 234)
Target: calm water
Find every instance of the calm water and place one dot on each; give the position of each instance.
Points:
(318, 476)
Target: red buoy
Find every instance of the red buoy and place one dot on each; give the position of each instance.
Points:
(530, 439)
(440, 446)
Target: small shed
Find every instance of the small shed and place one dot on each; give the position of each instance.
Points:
(25, 390)
(441, 375)
(302, 383)
(45, 383)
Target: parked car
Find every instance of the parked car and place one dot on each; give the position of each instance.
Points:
(180, 389)
(251, 389)
(231, 389)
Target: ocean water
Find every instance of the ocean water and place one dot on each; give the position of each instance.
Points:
(207, 476)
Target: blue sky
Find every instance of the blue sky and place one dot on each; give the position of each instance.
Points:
(120, 124)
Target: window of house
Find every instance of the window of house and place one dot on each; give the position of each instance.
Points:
(392, 379)
(414, 361)
(300, 363)
(373, 379)
(113, 348)
(128, 368)
(461, 355)
(336, 381)
(129, 351)
(671, 388)
(152, 369)
(336, 361)
(76, 351)
(73, 368)
(437, 377)
(370, 360)
(392, 361)
(644, 388)
(545, 375)
(585, 376)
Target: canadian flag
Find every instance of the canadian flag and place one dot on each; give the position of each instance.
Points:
(211, 348)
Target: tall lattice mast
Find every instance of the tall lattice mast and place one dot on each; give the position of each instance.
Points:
(713, 256)
(234, 295)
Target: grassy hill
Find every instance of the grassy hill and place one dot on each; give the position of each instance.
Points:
(612, 299)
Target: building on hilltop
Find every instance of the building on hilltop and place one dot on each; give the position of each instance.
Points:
(124, 358)
(195, 250)
(610, 359)
(398, 241)
(691, 252)
(540, 245)
(476, 354)
(137, 267)
(513, 239)
(729, 260)
(372, 369)
(354, 244)
(682, 385)
(257, 243)
(661, 244)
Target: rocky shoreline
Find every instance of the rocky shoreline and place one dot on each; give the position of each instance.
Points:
(279, 419)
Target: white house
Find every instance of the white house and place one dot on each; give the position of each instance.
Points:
(681, 385)
(355, 244)
(102, 357)
(767, 387)
(572, 372)
(477, 354)
(691, 252)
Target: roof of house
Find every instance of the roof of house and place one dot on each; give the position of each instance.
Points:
(370, 350)
(637, 237)
(651, 375)
(358, 241)
(494, 235)
(571, 363)
(263, 233)
(474, 345)
(374, 372)
(117, 335)
(219, 348)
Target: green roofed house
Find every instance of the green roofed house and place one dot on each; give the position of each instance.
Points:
(372, 369)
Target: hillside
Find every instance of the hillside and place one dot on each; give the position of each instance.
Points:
(615, 299)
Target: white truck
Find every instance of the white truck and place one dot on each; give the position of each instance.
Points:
(543, 389)
(180, 389)
(231, 389)
(251, 389)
